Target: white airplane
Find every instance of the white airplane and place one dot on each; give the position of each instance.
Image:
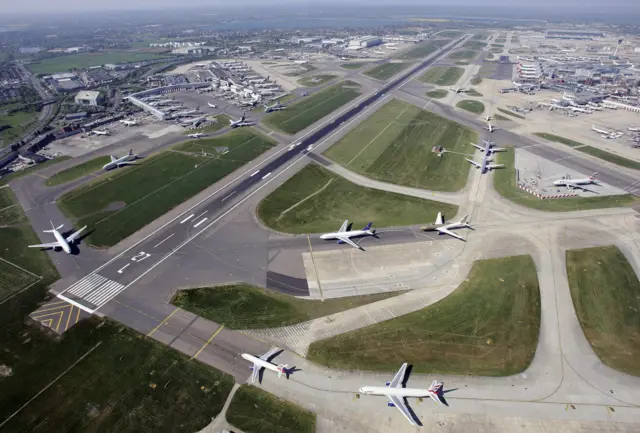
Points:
(240, 122)
(458, 89)
(186, 113)
(119, 162)
(130, 122)
(485, 166)
(578, 183)
(600, 131)
(192, 121)
(488, 147)
(275, 107)
(490, 127)
(61, 242)
(445, 229)
(264, 362)
(397, 393)
(196, 135)
(211, 105)
(98, 132)
(344, 237)
(487, 118)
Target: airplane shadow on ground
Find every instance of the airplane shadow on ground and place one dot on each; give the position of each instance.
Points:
(74, 246)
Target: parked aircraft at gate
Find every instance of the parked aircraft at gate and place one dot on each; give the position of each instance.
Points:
(578, 183)
(397, 393)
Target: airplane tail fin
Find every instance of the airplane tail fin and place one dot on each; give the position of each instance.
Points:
(53, 228)
(436, 392)
(593, 176)
(464, 219)
(439, 219)
(368, 226)
(283, 369)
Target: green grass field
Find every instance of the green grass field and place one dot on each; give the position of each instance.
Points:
(606, 296)
(488, 326)
(122, 201)
(500, 40)
(386, 70)
(451, 34)
(312, 108)
(479, 37)
(463, 54)
(315, 200)
(499, 117)
(353, 65)
(590, 150)
(437, 94)
(18, 124)
(475, 81)
(242, 306)
(462, 63)
(316, 80)
(511, 113)
(497, 45)
(10, 210)
(495, 50)
(78, 171)
(125, 384)
(85, 60)
(423, 50)
(504, 181)
(475, 107)
(474, 45)
(253, 410)
(395, 145)
(473, 92)
(442, 75)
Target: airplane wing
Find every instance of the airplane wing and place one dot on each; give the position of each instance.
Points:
(396, 382)
(270, 353)
(113, 158)
(49, 245)
(402, 407)
(120, 164)
(75, 235)
(346, 240)
(477, 164)
(584, 188)
(256, 374)
(492, 166)
(477, 147)
(443, 230)
(498, 149)
(343, 227)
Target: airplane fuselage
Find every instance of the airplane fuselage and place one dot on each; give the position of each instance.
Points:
(571, 182)
(399, 392)
(262, 363)
(350, 234)
(62, 241)
(117, 162)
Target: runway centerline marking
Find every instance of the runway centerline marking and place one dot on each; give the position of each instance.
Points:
(208, 342)
(123, 268)
(228, 196)
(187, 218)
(254, 173)
(266, 175)
(165, 320)
(163, 241)
(200, 222)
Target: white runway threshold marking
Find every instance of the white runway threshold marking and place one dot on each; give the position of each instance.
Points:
(162, 241)
(187, 218)
(200, 222)
(266, 175)
(96, 289)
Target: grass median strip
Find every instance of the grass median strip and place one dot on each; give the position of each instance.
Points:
(396, 144)
(325, 211)
(123, 201)
(310, 109)
(504, 181)
(442, 75)
(386, 70)
(437, 94)
(316, 80)
(471, 106)
(511, 113)
(423, 50)
(78, 171)
(488, 326)
(242, 306)
(253, 410)
(606, 296)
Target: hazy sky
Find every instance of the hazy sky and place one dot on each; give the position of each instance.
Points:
(36, 6)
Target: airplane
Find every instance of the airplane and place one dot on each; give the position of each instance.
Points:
(196, 135)
(211, 105)
(61, 242)
(187, 112)
(458, 89)
(98, 132)
(398, 394)
(275, 107)
(241, 122)
(192, 121)
(578, 183)
(445, 229)
(130, 122)
(264, 362)
(344, 236)
(487, 118)
(490, 127)
(484, 166)
(119, 162)
(488, 147)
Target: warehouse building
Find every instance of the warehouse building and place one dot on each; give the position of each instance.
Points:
(88, 97)
(364, 42)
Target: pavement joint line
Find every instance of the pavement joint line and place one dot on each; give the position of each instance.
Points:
(217, 331)
(50, 384)
(315, 269)
(162, 322)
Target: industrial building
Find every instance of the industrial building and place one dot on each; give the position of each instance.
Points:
(88, 97)
(364, 42)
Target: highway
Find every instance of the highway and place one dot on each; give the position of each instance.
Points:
(102, 285)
